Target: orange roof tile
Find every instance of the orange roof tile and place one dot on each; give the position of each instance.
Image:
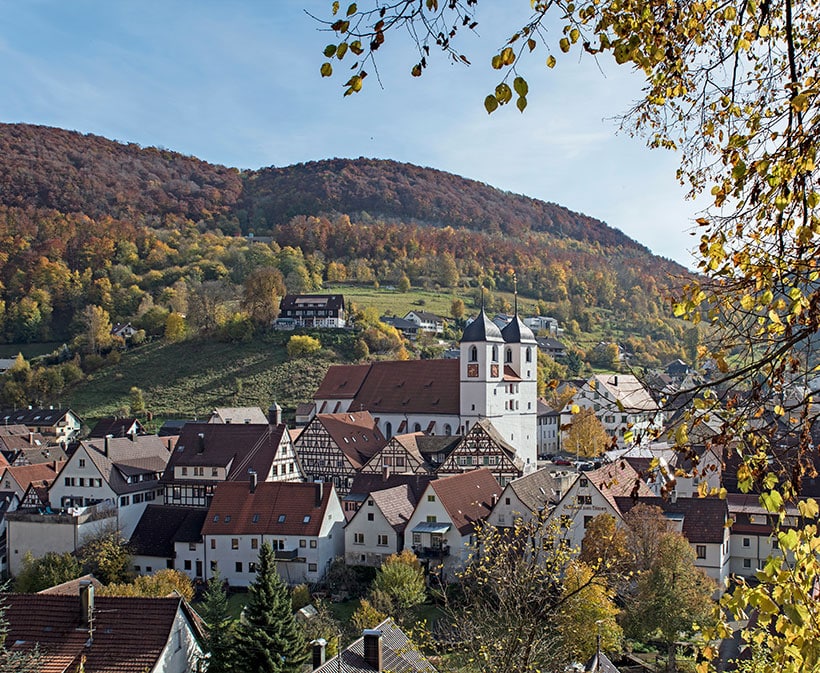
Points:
(467, 497)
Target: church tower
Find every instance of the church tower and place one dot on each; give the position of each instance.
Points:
(481, 373)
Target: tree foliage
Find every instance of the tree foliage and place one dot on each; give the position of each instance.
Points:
(399, 585)
(162, 583)
(268, 638)
(47, 571)
(219, 634)
(585, 435)
(302, 345)
(107, 556)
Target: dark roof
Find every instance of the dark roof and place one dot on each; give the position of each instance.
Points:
(536, 490)
(600, 663)
(426, 316)
(399, 323)
(262, 511)
(516, 332)
(481, 329)
(173, 426)
(129, 633)
(124, 457)
(549, 344)
(116, 427)
(332, 302)
(239, 447)
(342, 382)
(467, 497)
(398, 655)
(363, 484)
(397, 505)
(355, 433)
(35, 417)
(704, 519)
(162, 525)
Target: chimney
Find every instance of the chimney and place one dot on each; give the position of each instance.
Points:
(275, 414)
(373, 648)
(201, 445)
(106, 444)
(30, 437)
(320, 493)
(252, 477)
(86, 604)
(170, 445)
(318, 649)
(616, 379)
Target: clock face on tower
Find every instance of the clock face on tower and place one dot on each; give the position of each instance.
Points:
(494, 370)
(472, 371)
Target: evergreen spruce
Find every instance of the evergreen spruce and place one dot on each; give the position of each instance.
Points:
(219, 640)
(268, 638)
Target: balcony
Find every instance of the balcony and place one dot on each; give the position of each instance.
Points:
(285, 554)
(431, 552)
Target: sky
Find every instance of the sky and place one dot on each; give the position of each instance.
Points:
(237, 83)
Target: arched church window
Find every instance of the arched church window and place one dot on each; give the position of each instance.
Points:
(529, 354)
(447, 429)
(495, 353)
(417, 427)
(473, 354)
(508, 355)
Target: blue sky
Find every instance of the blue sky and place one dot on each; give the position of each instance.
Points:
(238, 84)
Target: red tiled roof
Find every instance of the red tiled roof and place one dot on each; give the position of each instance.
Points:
(510, 374)
(396, 386)
(704, 519)
(355, 433)
(26, 474)
(268, 503)
(618, 479)
(342, 382)
(129, 633)
(467, 497)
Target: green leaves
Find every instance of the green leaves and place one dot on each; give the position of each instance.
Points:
(326, 70)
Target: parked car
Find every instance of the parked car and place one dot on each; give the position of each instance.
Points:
(562, 461)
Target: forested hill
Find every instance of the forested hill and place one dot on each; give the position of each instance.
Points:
(424, 195)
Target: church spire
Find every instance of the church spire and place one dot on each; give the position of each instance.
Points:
(515, 293)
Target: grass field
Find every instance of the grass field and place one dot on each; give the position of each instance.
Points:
(190, 378)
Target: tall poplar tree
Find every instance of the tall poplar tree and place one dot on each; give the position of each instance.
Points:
(268, 638)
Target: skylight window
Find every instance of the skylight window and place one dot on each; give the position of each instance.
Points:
(216, 518)
(228, 518)
(306, 519)
(281, 518)
(255, 518)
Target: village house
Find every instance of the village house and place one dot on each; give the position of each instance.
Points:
(441, 528)
(534, 494)
(169, 537)
(622, 404)
(594, 493)
(483, 446)
(302, 522)
(122, 471)
(123, 330)
(61, 426)
(18, 478)
(426, 321)
(106, 633)
(365, 483)
(113, 426)
(334, 447)
(377, 529)
(403, 455)
(255, 415)
(549, 430)
(207, 454)
(750, 537)
(385, 648)
(313, 310)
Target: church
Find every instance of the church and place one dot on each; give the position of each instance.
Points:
(493, 379)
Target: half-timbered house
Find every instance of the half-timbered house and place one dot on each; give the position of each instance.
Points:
(334, 447)
(483, 446)
(401, 455)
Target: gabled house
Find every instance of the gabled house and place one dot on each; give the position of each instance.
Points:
(529, 495)
(124, 472)
(750, 536)
(113, 426)
(622, 404)
(58, 425)
(207, 454)
(483, 446)
(239, 415)
(334, 447)
(105, 634)
(443, 524)
(377, 529)
(594, 493)
(401, 455)
(302, 522)
(18, 478)
(385, 648)
(18, 439)
(169, 537)
(406, 327)
(703, 522)
(552, 347)
(123, 330)
(549, 430)
(426, 321)
(366, 483)
(313, 310)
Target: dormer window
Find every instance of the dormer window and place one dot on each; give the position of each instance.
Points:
(281, 518)
(473, 354)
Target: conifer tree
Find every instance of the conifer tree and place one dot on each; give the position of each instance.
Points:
(214, 611)
(268, 638)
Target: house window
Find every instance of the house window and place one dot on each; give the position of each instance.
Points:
(431, 518)
(448, 429)
(587, 521)
(495, 353)
(192, 546)
(281, 518)
(382, 540)
(234, 543)
(125, 500)
(136, 569)
(585, 499)
(583, 482)
(747, 563)
(416, 427)
(416, 538)
(370, 516)
(313, 544)
(506, 501)
(431, 498)
(214, 566)
(508, 355)
(187, 564)
(312, 567)
(184, 471)
(239, 566)
(473, 354)
(254, 543)
(303, 543)
(358, 538)
(213, 543)
(700, 551)
(747, 542)
(214, 471)
(82, 462)
(252, 567)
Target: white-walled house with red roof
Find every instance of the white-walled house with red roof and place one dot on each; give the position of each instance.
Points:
(303, 522)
